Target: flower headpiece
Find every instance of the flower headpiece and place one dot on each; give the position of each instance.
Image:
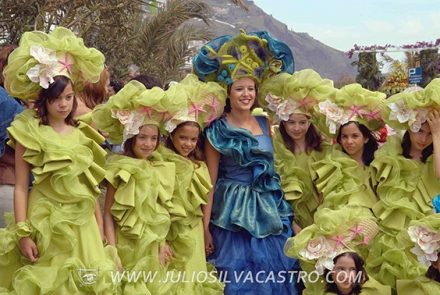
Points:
(409, 109)
(425, 234)
(132, 107)
(287, 94)
(40, 57)
(351, 103)
(256, 55)
(202, 102)
(333, 233)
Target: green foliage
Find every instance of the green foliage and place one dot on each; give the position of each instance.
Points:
(429, 61)
(369, 75)
(124, 30)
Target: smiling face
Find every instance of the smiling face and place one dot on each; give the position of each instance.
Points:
(61, 107)
(145, 142)
(297, 126)
(185, 138)
(242, 94)
(421, 139)
(352, 140)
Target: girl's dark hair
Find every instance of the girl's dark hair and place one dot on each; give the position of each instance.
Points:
(406, 148)
(50, 95)
(359, 265)
(197, 154)
(227, 108)
(369, 148)
(313, 139)
(129, 144)
(433, 273)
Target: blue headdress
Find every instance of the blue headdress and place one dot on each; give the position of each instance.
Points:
(256, 55)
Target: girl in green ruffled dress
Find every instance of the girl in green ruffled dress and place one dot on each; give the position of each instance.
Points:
(193, 183)
(55, 245)
(333, 249)
(290, 99)
(343, 175)
(140, 186)
(425, 234)
(407, 175)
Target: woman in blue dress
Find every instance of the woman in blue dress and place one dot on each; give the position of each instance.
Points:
(247, 220)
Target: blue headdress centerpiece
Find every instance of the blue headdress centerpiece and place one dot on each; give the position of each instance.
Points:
(256, 55)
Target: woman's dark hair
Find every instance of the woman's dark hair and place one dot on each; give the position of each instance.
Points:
(50, 95)
(369, 148)
(149, 81)
(406, 148)
(197, 154)
(129, 144)
(357, 285)
(227, 108)
(313, 138)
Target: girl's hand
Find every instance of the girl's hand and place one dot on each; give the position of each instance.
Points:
(28, 248)
(209, 243)
(434, 122)
(165, 254)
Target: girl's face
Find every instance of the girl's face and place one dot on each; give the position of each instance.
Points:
(352, 140)
(60, 108)
(146, 141)
(242, 94)
(344, 274)
(297, 126)
(421, 139)
(185, 139)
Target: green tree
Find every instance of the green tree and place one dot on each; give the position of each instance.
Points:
(369, 74)
(124, 30)
(429, 61)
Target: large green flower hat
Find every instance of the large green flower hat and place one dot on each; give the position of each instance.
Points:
(409, 109)
(132, 107)
(202, 102)
(40, 57)
(286, 94)
(351, 103)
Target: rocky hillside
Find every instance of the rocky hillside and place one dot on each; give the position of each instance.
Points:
(308, 52)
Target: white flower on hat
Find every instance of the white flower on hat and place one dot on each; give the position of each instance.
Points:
(285, 109)
(44, 71)
(427, 243)
(334, 115)
(319, 249)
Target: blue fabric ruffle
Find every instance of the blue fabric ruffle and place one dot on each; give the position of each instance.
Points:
(257, 207)
(254, 266)
(436, 203)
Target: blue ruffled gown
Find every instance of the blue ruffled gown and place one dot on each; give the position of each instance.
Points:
(250, 219)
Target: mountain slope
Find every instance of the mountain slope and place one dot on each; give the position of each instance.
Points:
(308, 52)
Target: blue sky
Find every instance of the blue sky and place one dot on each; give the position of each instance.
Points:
(340, 24)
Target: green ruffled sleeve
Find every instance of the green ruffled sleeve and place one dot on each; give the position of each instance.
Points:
(406, 187)
(193, 184)
(24, 124)
(60, 157)
(142, 197)
(296, 179)
(342, 181)
(420, 286)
